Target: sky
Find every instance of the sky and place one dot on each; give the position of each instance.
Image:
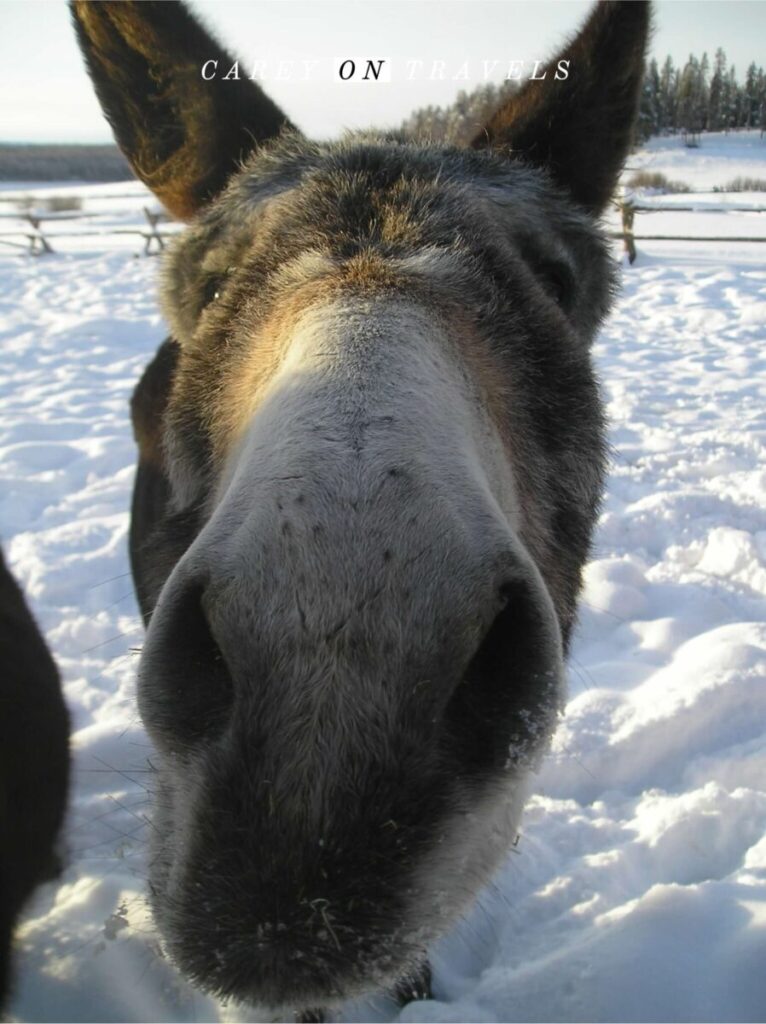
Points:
(45, 95)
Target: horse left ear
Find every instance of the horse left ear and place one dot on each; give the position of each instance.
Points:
(578, 121)
(184, 135)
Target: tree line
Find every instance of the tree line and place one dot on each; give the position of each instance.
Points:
(457, 124)
(687, 100)
(30, 162)
(700, 97)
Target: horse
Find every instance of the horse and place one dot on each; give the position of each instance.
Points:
(371, 455)
(34, 763)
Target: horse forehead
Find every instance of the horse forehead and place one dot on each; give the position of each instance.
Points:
(387, 177)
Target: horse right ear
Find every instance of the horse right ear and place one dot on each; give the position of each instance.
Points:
(182, 135)
(577, 120)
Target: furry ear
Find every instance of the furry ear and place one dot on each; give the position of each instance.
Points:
(580, 127)
(182, 135)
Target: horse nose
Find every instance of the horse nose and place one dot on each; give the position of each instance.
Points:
(447, 639)
(304, 765)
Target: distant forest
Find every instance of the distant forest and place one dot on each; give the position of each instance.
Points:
(688, 100)
(700, 97)
(62, 163)
(457, 124)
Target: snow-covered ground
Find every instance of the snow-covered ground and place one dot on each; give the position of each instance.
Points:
(719, 158)
(638, 888)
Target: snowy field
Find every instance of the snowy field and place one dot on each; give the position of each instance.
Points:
(720, 157)
(638, 887)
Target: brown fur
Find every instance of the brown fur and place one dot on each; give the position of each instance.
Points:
(34, 762)
(164, 124)
(371, 458)
(578, 129)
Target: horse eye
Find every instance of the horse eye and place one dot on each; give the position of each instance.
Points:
(214, 285)
(557, 278)
(211, 290)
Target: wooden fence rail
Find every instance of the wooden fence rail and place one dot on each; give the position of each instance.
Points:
(629, 209)
(38, 243)
(17, 197)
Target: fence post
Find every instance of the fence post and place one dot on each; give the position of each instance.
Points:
(38, 237)
(153, 219)
(628, 213)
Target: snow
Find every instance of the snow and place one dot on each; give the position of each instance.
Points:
(637, 890)
(720, 157)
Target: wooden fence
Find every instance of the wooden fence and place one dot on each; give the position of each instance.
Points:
(628, 210)
(38, 243)
(16, 196)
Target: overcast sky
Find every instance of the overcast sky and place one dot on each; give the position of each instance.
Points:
(45, 95)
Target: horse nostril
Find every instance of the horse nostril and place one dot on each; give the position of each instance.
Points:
(505, 593)
(508, 695)
(185, 687)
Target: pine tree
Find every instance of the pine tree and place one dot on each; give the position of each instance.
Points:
(703, 95)
(667, 97)
(732, 100)
(716, 100)
(689, 101)
(649, 113)
(750, 112)
(761, 101)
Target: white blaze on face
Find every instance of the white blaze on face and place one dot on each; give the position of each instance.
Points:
(383, 379)
(369, 491)
(368, 487)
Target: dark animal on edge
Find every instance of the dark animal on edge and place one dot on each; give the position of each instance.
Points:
(34, 763)
(371, 456)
